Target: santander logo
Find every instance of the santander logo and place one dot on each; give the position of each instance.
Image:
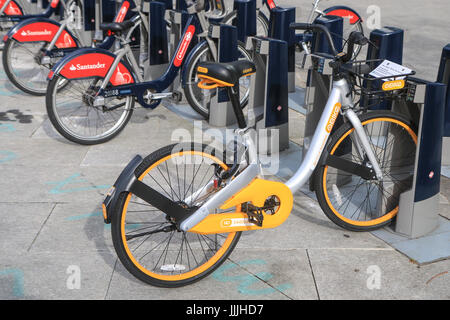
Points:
(184, 46)
(44, 32)
(12, 10)
(65, 42)
(77, 67)
(121, 77)
(123, 11)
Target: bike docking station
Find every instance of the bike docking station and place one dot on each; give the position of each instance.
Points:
(156, 46)
(268, 109)
(221, 112)
(87, 23)
(418, 231)
(444, 77)
(279, 21)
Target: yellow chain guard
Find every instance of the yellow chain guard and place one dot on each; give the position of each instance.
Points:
(256, 193)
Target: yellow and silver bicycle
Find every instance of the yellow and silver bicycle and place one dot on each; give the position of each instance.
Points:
(178, 213)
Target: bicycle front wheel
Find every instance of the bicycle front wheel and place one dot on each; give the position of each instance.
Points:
(74, 115)
(358, 204)
(148, 243)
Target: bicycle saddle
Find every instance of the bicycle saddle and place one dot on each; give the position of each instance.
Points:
(216, 74)
(117, 26)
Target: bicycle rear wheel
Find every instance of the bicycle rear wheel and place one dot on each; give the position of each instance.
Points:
(198, 98)
(72, 112)
(358, 204)
(147, 243)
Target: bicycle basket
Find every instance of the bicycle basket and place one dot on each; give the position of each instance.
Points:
(373, 90)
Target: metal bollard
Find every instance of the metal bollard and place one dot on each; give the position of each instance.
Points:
(246, 18)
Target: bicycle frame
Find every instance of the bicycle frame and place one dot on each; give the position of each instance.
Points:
(339, 101)
(106, 44)
(149, 91)
(60, 37)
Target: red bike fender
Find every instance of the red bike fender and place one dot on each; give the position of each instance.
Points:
(44, 31)
(344, 13)
(12, 9)
(96, 65)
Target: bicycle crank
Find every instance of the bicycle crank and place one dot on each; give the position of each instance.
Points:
(263, 204)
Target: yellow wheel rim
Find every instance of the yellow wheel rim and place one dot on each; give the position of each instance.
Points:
(199, 269)
(385, 217)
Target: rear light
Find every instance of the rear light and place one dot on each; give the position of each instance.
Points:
(50, 75)
(5, 38)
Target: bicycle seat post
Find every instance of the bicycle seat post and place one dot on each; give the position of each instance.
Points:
(233, 93)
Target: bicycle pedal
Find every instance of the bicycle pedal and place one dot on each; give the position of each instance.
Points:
(177, 96)
(254, 214)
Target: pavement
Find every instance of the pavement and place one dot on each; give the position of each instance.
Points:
(54, 244)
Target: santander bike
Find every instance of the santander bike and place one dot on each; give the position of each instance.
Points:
(98, 100)
(33, 46)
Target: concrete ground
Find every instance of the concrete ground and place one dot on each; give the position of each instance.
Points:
(52, 231)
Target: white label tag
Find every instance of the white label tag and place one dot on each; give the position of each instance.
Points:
(388, 68)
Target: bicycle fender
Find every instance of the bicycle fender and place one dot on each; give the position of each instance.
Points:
(12, 9)
(256, 192)
(42, 29)
(344, 12)
(128, 182)
(122, 184)
(92, 62)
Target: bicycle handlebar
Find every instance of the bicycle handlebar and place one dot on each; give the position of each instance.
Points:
(317, 28)
(354, 38)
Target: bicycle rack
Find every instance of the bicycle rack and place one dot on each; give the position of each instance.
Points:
(389, 42)
(419, 207)
(246, 18)
(158, 47)
(280, 19)
(95, 12)
(221, 111)
(268, 101)
(444, 77)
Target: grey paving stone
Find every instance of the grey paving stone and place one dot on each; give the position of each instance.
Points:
(75, 228)
(143, 137)
(46, 153)
(39, 183)
(54, 275)
(353, 274)
(20, 225)
(12, 129)
(278, 275)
